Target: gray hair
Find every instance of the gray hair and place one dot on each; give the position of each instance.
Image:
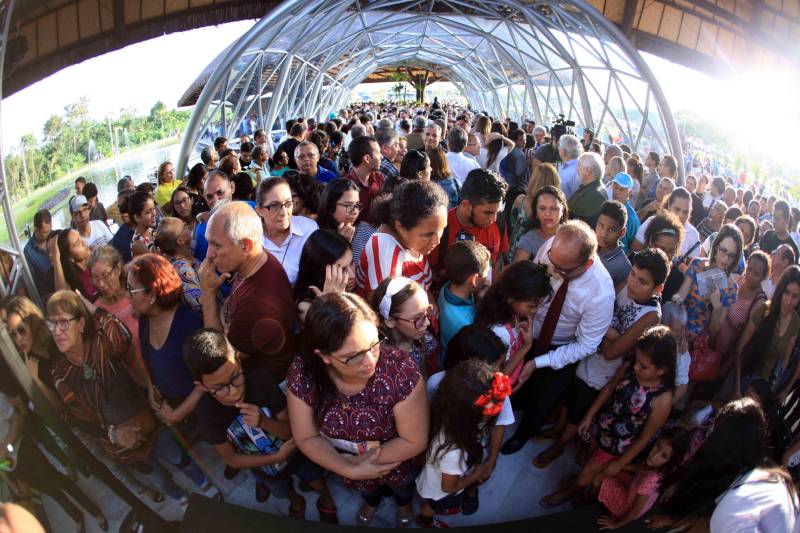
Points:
(420, 122)
(385, 136)
(240, 222)
(593, 161)
(614, 150)
(571, 145)
(358, 130)
(456, 140)
(385, 123)
(539, 129)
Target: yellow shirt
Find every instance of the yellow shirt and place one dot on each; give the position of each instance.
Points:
(164, 192)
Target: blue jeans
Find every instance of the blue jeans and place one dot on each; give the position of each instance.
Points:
(168, 450)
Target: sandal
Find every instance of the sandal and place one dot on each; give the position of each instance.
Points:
(432, 523)
(547, 502)
(365, 515)
(102, 522)
(405, 518)
(154, 495)
(470, 502)
(298, 514)
(544, 459)
(327, 514)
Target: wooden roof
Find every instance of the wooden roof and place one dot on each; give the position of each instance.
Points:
(710, 35)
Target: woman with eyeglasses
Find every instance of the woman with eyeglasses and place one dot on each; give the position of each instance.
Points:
(107, 271)
(142, 216)
(184, 205)
(106, 408)
(357, 408)
(405, 315)
(284, 234)
(164, 324)
(720, 291)
(339, 207)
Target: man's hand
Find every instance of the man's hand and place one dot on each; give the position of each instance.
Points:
(210, 281)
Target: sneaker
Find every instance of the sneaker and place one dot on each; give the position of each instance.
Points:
(469, 504)
(433, 523)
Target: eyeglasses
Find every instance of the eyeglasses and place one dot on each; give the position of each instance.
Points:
(724, 252)
(133, 290)
(186, 199)
(97, 278)
(18, 332)
(349, 207)
(562, 272)
(62, 324)
(418, 321)
(277, 206)
(358, 356)
(237, 380)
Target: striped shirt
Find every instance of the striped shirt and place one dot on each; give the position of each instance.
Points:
(384, 257)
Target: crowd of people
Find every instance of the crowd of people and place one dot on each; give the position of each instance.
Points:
(401, 297)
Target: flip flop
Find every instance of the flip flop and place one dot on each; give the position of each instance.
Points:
(298, 514)
(546, 502)
(543, 460)
(327, 514)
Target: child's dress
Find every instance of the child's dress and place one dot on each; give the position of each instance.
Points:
(619, 492)
(512, 338)
(624, 417)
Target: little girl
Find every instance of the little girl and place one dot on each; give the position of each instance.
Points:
(405, 315)
(632, 492)
(628, 412)
(508, 308)
(464, 409)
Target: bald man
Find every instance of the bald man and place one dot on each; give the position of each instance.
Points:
(259, 313)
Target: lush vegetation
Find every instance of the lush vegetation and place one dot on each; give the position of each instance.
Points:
(73, 139)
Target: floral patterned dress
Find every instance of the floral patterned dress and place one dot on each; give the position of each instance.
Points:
(361, 422)
(697, 310)
(625, 415)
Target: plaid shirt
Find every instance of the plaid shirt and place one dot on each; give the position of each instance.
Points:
(388, 169)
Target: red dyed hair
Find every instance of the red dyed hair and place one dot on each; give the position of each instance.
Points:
(159, 277)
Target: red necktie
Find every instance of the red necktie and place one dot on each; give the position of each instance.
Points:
(545, 337)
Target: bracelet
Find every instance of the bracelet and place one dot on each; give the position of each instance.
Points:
(112, 434)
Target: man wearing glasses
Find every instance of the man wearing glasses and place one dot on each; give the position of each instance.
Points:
(217, 191)
(567, 328)
(243, 415)
(307, 156)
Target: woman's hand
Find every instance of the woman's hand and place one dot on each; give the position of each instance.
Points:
(53, 251)
(608, 522)
(367, 466)
(525, 328)
(613, 468)
(335, 281)
(167, 414)
(583, 427)
(347, 231)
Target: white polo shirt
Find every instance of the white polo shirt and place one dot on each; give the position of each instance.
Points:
(460, 165)
(288, 253)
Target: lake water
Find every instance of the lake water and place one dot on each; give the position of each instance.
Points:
(140, 165)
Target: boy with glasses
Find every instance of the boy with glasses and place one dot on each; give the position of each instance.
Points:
(243, 415)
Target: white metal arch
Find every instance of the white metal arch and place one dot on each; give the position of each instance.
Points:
(508, 58)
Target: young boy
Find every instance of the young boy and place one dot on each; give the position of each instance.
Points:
(621, 187)
(637, 308)
(467, 268)
(610, 228)
(243, 415)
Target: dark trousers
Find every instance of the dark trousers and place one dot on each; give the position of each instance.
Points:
(539, 396)
(402, 495)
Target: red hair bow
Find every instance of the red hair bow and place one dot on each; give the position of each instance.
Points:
(492, 401)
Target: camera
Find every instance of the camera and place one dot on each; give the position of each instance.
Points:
(561, 126)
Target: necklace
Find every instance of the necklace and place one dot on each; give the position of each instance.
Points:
(286, 250)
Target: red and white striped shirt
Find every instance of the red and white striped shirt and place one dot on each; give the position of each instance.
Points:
(383, 257)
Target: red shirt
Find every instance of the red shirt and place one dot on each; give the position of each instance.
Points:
(259, 318)
(489, 236)
(366, 193)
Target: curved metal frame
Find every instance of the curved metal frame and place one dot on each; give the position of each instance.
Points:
(507, 58)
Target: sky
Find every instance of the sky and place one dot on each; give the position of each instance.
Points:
(161, 69)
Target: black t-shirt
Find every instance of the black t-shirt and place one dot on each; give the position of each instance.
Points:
(288, 146)
(770, 241)
(219, 423)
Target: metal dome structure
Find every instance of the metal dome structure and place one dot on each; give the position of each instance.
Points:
(507, 57)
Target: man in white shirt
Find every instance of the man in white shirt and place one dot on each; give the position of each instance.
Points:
(94, 232)
(460, 164)
(680, 205)
(571, 255)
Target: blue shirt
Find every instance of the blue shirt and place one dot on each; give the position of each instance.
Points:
(122, 242)
(631, 227)
(324, 175)
(41, 268)
(165, 365)
(454, 314)
(200, 242)
(568, 172)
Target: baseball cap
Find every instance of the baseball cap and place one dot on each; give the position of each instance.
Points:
(623, 179)
(76, 202)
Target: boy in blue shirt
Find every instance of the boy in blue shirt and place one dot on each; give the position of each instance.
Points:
(466, 266)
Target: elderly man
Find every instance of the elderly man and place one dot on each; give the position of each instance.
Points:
(258, 317)
(539, 133)
(780, 259)
(296, 135)
(567, 328)
(460, 164)
(612, 151)
(416, 139)
(473, 148)
(387, 141)
(586, 201)
(569, 150)
(209, 157)
(218, 190)
(307, 156)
